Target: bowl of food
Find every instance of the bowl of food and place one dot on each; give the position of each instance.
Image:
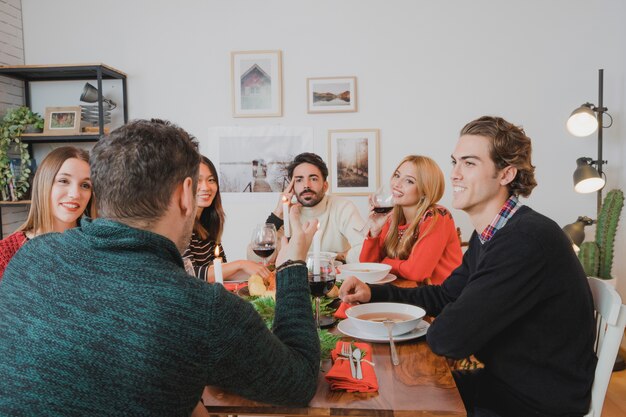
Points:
(369, 318)
(368, 272)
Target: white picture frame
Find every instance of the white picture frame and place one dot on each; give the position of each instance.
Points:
(252, 160)
(331, 95)
(354, 163)
(256, 78)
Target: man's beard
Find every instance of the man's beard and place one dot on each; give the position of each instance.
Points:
(311, 200)
(185, 237)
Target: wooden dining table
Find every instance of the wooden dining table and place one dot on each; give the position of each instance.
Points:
(421, 385)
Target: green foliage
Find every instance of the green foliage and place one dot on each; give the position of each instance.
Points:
(606, 230)
(589, 256)
(597, 257)
(266, 306)
(12, 126)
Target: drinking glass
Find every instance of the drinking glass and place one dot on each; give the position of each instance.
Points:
(264, 241)
(321, 279)
(382, 201)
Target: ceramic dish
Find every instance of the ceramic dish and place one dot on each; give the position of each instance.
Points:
(348, 328)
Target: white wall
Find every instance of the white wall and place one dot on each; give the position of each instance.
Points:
(424, 69)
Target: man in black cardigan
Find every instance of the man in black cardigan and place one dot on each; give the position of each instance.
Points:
(519, 302)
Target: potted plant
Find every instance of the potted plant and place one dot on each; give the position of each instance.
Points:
(14, 176)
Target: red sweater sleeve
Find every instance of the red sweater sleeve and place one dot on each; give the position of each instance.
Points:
(425, 256)
(372, 250)
(8, 248)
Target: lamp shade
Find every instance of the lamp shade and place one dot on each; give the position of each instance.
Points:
(586, 178)
(582, 121)
(576, 230)
(90, 95)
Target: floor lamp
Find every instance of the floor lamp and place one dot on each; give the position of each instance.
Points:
(584, 121)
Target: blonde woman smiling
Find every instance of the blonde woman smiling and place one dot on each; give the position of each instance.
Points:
(61, 193)
(418, 237)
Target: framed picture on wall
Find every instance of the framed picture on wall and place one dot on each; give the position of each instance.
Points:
(255, 159)
(331, 95)
(62, 121)
(353, 161)
(256, 83)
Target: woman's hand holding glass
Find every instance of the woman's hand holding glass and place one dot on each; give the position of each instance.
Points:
(381, 205)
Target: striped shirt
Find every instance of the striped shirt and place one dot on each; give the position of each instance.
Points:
(508, 209)
(202, 253)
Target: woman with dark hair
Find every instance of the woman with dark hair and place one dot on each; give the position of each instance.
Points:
(208, 228)
(61, 194)
(418, 237)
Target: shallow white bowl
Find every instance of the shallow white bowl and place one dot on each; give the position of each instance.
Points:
(378, 329)
(366, 272)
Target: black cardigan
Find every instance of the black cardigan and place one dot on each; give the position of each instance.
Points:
(522, 305)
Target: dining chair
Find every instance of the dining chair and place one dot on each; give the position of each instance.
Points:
(610, 316)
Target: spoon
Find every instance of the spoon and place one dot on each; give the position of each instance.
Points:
(394, 354)
(356, 354)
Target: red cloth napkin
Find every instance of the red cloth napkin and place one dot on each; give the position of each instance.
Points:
(340, 313)
(234, 286)
(340, 378)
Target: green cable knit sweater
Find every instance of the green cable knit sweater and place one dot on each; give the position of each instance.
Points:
(103, 320)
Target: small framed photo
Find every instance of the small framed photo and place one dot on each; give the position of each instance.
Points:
(331, 95)
(62, 121)
(257, 83)
(353, 162)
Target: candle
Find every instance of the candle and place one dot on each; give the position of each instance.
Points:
(217, 266)
(286, 217)
(317, 237)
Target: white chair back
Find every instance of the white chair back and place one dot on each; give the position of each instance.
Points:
(610, 323)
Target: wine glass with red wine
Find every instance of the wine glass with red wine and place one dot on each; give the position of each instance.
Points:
(264, 241)
(382, 203)
(321, 279)
(383, 199)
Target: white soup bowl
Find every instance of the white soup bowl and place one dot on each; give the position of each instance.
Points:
(378, 311)
(367, 272)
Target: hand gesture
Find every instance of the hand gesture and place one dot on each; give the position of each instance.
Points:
(297, 247)
(353, 291)
(288, 194)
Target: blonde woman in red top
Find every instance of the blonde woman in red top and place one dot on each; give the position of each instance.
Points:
(61, 193)
(418, 237)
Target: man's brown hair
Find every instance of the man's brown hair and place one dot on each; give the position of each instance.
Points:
(136, 169)
(509, 146)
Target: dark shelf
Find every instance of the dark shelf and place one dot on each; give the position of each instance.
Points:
(61, 72)
(62, 138)
(70, 72)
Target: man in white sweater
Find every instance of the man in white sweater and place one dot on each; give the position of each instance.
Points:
(339, 220)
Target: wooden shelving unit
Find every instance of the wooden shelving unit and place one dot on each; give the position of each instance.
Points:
(70, 72)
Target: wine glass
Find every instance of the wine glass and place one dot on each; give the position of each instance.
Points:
(321, 279)
(382, 201)
(264, 241)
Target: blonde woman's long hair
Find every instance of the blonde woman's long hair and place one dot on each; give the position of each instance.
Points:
(40, 217)
(431, 185)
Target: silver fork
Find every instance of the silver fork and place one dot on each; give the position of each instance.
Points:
(346, 351)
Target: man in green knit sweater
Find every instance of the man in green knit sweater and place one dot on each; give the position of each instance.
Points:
(103, 319)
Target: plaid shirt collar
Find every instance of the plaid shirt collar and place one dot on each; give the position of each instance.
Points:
(508, 209)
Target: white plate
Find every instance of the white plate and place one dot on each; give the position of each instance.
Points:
(387, 279)
(348, 328)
